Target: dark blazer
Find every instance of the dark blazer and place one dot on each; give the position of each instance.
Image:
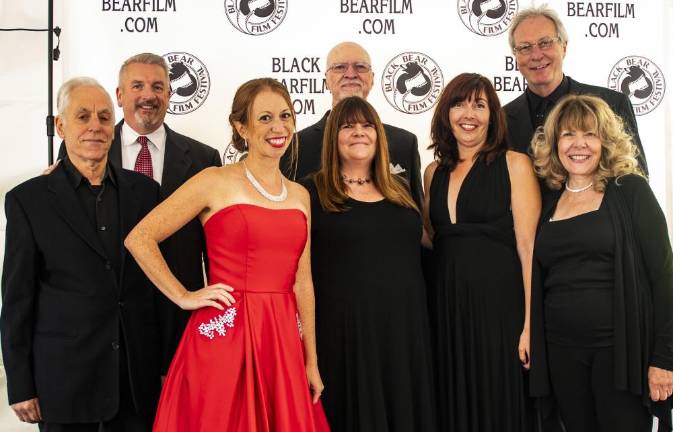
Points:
(185, 251)
(402, 145)
(520, 127)
(63, 304)
(643, 293)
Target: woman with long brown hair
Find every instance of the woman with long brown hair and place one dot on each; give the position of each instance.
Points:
(247, 358)
(371, 319)
(482, 204)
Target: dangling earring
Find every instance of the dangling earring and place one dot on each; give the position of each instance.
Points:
(245, 144)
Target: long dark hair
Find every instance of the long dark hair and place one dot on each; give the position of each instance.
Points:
(328, 181)
(464, 87)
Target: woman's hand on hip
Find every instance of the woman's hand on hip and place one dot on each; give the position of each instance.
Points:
(214, 295)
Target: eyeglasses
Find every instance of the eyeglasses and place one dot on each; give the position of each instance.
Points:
(359, 67)
(544, 44)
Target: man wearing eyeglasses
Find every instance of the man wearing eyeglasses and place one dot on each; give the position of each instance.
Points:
(349, 73)
(539, 40)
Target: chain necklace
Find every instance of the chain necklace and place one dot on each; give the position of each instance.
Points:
(358, 180)
(582, 189)
(282, 196)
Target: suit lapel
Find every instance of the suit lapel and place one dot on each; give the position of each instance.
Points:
(520, 125)
(129, 208)
(176, 163)
(115, 152)
(66, 205)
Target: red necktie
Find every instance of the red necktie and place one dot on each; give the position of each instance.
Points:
(144, 160)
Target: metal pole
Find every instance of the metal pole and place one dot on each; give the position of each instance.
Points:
(50, 83)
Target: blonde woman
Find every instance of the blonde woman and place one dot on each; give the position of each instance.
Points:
(602, 314)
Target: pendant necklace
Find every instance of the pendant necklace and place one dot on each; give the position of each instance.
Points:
(282, 196)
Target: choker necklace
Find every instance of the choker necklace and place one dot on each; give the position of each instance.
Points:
(358, 180)
(282, 196)
(582, 189)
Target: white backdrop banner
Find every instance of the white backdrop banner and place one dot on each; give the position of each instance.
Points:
(416, 48)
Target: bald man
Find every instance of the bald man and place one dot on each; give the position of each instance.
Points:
(349, 73)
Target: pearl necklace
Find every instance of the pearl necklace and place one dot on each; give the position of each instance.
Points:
(282, 196)
(582, 189)
(358, 180)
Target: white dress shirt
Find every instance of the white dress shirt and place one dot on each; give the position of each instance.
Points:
(156, 145)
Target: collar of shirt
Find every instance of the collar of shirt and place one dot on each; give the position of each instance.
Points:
(537, 102)
(156, 138)
(130, 149)
(76, 178)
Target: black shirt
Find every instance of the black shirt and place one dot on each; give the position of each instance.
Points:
(101, 205)
(577, 257)
(540, 106)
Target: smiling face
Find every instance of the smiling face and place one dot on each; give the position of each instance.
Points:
(543, 69)
(143, 94)
(580, 153)
(350, 82)
(87, 125)
(357, 142)
(469, 121)
(270, 125)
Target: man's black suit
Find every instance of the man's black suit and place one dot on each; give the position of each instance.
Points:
(185, 251)
(402, 146)
(520, 126)
(63, 304)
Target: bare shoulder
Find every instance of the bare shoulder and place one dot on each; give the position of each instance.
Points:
(298, 190)
(430, 172)
(518, 163)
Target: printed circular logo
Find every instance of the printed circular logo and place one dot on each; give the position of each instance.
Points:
(231, 155)
(639, 79)
(412, 82)
(190, 82)
(255, 17)
(487, 17)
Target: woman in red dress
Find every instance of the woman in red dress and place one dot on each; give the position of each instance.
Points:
(247, 359)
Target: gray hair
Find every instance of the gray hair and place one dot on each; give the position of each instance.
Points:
(143, 58)
(63, 98)
(538, 11)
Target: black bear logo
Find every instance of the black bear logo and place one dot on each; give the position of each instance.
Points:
(262, 12)
(421, 81)
(491, 13)
(643, 86)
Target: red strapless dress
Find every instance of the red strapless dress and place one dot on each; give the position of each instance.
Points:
(242, 369)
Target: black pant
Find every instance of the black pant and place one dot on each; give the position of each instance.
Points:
(583, 384)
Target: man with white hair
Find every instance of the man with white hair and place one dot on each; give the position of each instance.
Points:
(78, 323)
(539, 40)
(349, 73)
(144, 143)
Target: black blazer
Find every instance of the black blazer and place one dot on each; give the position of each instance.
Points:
(520, 127)
(63, 303)
(643, 294)
(402, 145)
(185, 251)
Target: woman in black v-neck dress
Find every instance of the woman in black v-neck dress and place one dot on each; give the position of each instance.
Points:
(480, 305)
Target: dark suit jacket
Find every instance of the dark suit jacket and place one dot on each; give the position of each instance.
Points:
(402, 145)
(185, 251)
(520, 127)
(63, 304)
